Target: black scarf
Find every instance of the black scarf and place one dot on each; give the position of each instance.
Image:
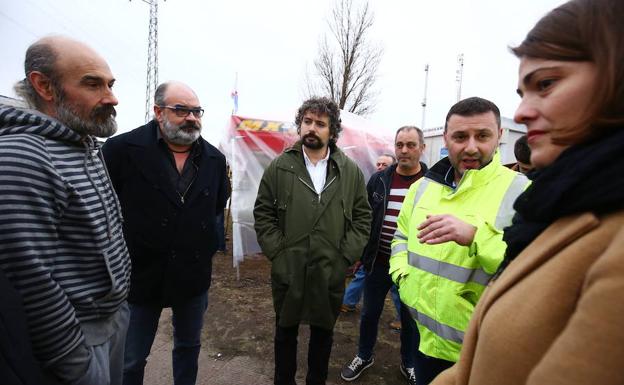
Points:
(587, 177)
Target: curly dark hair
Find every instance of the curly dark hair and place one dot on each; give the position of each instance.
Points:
(322, 106)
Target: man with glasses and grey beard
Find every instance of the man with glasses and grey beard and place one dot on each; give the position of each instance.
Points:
(61, 242)
(171, 184)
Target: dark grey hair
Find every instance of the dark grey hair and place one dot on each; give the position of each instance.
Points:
(40, 57)
(421, 136)
(389, 155)
(159, 95)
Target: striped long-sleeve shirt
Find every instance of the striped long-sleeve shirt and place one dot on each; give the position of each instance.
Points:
(61, 240)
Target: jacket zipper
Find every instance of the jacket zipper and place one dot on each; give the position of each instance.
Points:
(305, 183)
(327, 185)
(313, 189)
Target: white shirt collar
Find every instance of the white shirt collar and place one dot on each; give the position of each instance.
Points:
(307, 159)
(318, 172)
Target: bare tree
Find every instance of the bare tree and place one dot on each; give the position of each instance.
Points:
(347, 63)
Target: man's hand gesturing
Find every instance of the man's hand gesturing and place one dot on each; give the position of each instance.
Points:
(445, 228)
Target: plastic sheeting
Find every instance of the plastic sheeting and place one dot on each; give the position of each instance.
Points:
(252, 143)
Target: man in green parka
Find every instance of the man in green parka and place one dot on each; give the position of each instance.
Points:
(312, 221)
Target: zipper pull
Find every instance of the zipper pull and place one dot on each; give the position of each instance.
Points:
(182, 199)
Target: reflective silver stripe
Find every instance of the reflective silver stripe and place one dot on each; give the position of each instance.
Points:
(398, 248)
(437, 328)
(421, 190)
(398, 234)
(505, 209)
(447, 270)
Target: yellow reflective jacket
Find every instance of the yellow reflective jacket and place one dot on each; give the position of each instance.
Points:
(442, 283)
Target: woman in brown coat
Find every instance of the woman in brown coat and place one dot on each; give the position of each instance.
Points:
(556, 313)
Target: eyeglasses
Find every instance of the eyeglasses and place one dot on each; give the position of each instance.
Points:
(183, 112)
(409, 145)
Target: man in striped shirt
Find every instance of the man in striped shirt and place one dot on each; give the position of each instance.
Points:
(61, 240)
(386, 190)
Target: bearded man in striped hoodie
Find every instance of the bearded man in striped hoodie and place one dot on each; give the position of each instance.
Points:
(61, 241)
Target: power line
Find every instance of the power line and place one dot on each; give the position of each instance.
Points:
(19, 24)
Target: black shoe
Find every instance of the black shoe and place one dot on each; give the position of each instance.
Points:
(409, 374)
(353, 370)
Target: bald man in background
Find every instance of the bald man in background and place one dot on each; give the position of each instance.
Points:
(384, 161)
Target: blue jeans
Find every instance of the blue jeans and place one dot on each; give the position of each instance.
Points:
(376, 286)
(187, 319)
(353, 292)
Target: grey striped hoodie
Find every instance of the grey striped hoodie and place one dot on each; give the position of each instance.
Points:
(61, 241)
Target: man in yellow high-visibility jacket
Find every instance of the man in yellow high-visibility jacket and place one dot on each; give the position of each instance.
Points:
(449, 238)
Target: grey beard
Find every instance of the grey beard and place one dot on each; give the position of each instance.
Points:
(67, 116)
(176, 135)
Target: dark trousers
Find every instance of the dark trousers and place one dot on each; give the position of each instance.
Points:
(376, 286)
(187, 319)
(319, 349)
(427, 368)
(220, 224)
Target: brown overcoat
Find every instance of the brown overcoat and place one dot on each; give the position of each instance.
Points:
(556, 315)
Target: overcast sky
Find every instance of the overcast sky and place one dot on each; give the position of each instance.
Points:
(272, 43)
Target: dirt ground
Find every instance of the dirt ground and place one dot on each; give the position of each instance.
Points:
(240, 323)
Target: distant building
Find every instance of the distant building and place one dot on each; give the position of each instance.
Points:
(511, 132)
